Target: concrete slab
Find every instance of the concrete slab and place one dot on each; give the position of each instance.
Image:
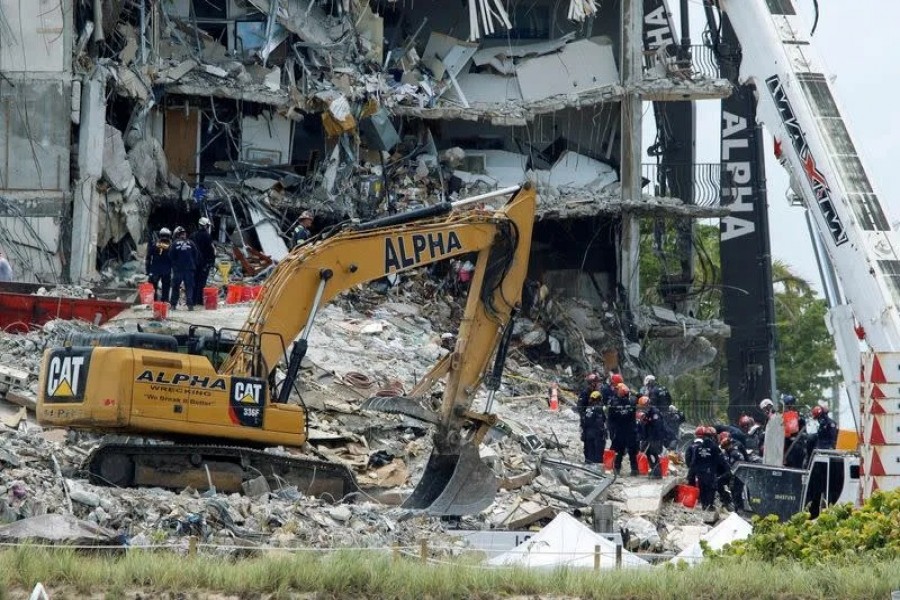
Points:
(644, 497)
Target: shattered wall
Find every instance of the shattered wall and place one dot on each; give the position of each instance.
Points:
(35, 117)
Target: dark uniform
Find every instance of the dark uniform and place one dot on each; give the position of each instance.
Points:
(795, 447)
(623, 431)
(301, 234)
(184, 265)
(706, 465)
(159, 268)
(754, 440)
(593, 432)
(654, 437)
(207, 258)
(731, 489)
(826, 437)
(672, 420)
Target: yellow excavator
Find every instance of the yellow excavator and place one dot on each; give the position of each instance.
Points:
(212, 397)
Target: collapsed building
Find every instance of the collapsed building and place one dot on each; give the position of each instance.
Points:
(121, 116)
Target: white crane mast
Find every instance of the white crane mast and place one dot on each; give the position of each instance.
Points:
(797, 106)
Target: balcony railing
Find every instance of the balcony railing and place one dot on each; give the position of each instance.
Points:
(670, 180)
(678, 62)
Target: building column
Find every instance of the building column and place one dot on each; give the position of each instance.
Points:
(86, 199)
(631, 62)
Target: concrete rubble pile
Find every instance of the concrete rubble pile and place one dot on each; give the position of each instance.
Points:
(362, 344)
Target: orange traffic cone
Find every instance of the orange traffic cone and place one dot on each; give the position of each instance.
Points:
(554, 397)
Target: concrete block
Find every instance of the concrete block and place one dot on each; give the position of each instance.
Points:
(256, 487)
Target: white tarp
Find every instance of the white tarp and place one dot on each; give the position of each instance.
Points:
(730, 530)
(566, 542)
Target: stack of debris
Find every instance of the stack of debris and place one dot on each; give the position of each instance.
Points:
(360, 346)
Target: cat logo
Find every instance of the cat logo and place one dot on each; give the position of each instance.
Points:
(246, 407)
(65, 376)
(247, 392)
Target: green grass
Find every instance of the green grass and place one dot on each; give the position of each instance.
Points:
(365, 575)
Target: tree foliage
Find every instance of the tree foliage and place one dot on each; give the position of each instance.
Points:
(804, 362)
(841, 532)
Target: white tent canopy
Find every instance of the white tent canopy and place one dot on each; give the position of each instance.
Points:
(730, 530)
(566, 542)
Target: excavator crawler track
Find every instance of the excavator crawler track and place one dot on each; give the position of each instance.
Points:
(177, 466)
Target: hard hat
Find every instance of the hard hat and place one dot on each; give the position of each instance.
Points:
(165, 232)
(724, 437)
(595, 395)
(766, 404)
(179, 230)
(745, 422)
(616, 379)
(673, 408)
(649, 379)
(306, 215)
(622, 389)
(639, 416)
(788, 400)
(592, 378)
(643, 401)
(203, 222)
(700, 431)
(710, 431)
(817, 412)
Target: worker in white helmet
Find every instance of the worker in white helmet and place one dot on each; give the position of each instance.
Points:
(206, 257)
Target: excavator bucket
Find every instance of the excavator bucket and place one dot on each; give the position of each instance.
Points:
(454, 484)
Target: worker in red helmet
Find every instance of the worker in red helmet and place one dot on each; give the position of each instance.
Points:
(706, 465)
(615, 379)
(622, 428)
(826, 436)
(731, 488)
(699, 434)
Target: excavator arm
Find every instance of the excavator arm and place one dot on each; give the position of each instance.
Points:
(455, 482)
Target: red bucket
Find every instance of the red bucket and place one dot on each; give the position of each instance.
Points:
(210, 298)
(160, 310)
(663, 465)
(609, 459)
(687, 495)
(235, 292)
(146, 293)
(643, 463)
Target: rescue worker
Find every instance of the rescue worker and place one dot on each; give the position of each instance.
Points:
(592, 384)
(608, 387)
(593, 429)
(622, 428)
(826, 436)
(659, 395)
(706, 465)
(302, 232)
(207, 257)
(753, 437)
(158, 265)
(731, 490)
(673, 419)
(796, 448)
(654, 435)
(689, 452)
(184, 265)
